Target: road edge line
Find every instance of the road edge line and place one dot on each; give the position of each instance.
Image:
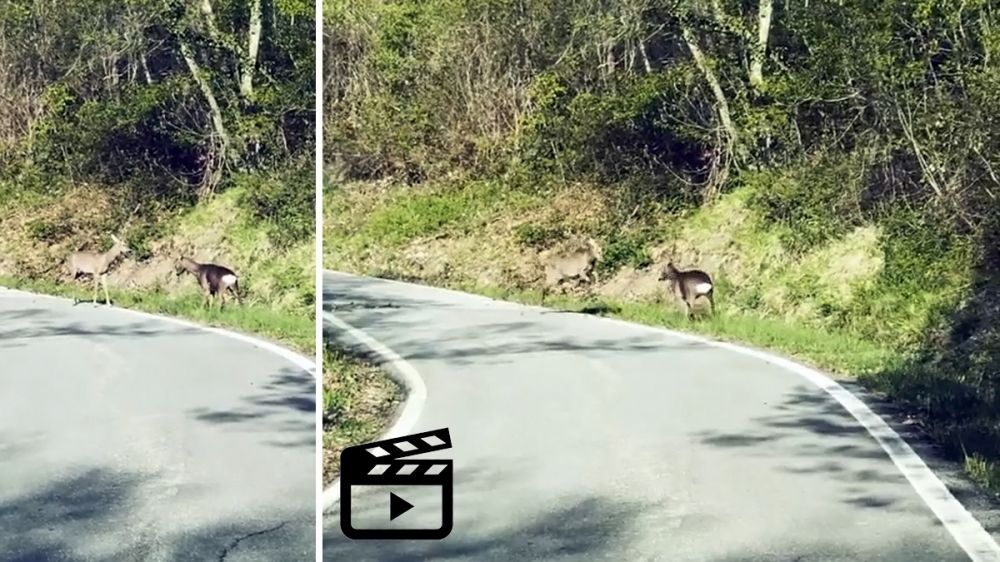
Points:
(963, 527)
(400, 370)
(286, 353)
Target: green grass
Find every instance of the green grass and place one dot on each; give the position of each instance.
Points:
(441, 208)
(296, 331)
(983, 472)
(358, 401)
(843, 354)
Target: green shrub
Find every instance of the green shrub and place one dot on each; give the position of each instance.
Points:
(625, 250)
(285, 201)
(538, 236)
(810, 204)
(49, 231)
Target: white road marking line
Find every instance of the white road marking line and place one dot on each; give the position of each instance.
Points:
(967, 531)
(406, 375)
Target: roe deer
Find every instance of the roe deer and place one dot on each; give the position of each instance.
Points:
(214, 279)
(573, 263)
(688, 285)
(97, 266)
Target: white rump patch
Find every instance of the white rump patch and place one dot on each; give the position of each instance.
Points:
(229, 279)
(703, 288)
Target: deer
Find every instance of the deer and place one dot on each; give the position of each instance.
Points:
(215, 280)
(97, 265)
(688, 285)
(577, 263)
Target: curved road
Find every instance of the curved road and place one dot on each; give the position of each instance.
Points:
(582, 438)
(129, 438)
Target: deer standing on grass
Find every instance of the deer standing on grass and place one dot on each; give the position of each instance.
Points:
(214, 279)
(577, 263)
(97, 266)
(688, 285)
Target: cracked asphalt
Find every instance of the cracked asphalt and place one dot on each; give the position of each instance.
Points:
(129, 439)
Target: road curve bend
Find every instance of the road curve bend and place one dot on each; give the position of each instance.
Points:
(126, 437)
(582, 438)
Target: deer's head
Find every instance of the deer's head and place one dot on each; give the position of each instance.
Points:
(181, 265)
(121, 247)
(595, 249)
(668, 272)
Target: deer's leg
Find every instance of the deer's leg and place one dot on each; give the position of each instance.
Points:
(687, 300)
(107, 297)
(96, 282)
(236, 294)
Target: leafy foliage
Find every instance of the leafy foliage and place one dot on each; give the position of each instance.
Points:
(156, 97)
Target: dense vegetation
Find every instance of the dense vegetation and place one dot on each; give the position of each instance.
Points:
(808, 136)
(147, 117)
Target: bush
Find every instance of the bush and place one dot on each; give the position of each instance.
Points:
(812, 203)
(539, 237)
(625, 250)
(285, 201)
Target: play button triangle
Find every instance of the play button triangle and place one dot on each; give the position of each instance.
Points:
(398, 506)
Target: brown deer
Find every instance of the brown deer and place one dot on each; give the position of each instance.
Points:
(566, 264)
(96, 265)
(214, 279)
(688, 285)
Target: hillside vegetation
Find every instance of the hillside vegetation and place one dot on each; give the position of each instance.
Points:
(834, 165)
(184, 129)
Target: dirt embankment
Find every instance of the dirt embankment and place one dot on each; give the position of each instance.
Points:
(38, 239)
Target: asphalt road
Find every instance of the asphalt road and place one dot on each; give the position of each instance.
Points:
(579, 438)
(127, 438)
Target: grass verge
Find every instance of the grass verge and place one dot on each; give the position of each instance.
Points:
(843, 355)
(292, 330)
(358, 402)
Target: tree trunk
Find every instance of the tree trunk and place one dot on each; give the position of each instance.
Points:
(764, 13)
(206, 89)
(145, 69)
(250, 60)
(209, 13)
(645, 58)
(713, 83)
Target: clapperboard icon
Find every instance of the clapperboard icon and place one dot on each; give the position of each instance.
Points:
(383, 497)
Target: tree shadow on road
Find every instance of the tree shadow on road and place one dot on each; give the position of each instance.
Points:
(819, 436)
(492, 336)
(91, 514)
(35, 323)
(583, 527)
(285, 403)
(576, 528)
